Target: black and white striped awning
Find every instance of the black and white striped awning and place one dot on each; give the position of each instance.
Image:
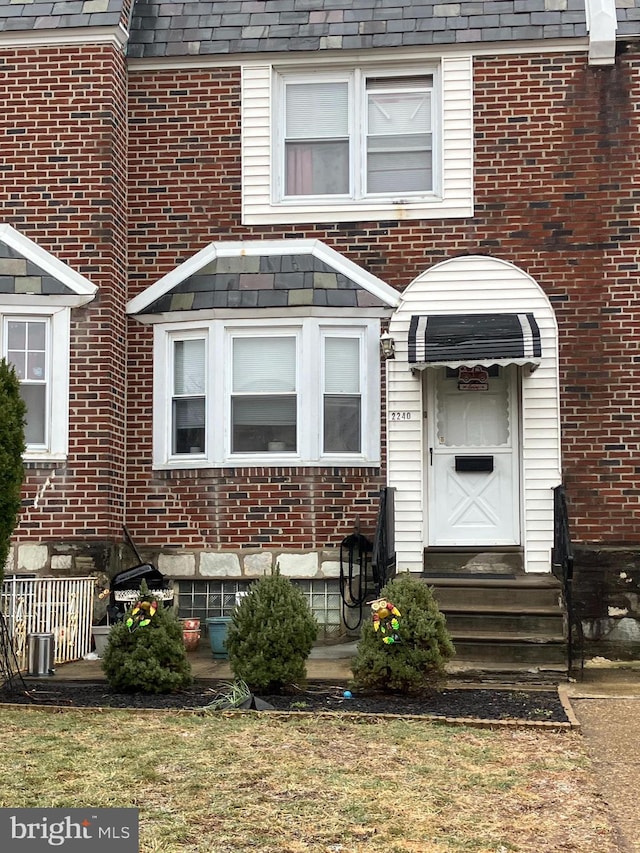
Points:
(470, 339)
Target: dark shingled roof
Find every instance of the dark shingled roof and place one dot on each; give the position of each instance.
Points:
(20, 275)
(168, 29)
(241, 26)
(265, 281)
(22, 15)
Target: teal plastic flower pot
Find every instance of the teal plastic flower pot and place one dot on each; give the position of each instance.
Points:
(217, 630)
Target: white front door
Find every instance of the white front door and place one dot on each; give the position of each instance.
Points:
(472, 463)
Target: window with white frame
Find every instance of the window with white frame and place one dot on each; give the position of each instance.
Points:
(37, 346)
(356, 135)
(303, 391)
(344, 143)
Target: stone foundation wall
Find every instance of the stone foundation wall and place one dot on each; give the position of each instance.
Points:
(81, 559)
(607, 600)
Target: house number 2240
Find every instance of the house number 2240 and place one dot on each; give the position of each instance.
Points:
(400, 416)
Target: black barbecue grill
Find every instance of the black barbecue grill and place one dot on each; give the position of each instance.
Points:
(125, 586)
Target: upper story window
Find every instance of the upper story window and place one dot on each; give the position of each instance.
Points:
(381, 140)
(356, 136)
(301, 392)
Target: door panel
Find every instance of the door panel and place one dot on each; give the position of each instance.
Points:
(476, 501)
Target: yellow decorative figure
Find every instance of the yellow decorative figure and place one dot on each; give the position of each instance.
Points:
(385, 620)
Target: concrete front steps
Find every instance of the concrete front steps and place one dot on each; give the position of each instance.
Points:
(505, 626)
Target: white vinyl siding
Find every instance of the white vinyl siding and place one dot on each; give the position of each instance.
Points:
(300, 392)
(448, 133)
(475, 284)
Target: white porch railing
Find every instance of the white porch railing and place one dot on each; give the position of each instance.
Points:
(60, 606)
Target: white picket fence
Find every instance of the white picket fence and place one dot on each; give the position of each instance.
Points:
(60, 606)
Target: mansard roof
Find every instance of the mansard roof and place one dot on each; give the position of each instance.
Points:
(158, 28)
(161, 29)
(37, 15)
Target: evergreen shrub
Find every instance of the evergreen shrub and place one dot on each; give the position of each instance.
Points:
(145, 652)
(416, 661)
(271, 635)
(12, 417)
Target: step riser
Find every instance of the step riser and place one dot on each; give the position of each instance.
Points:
(458, 623)
(476, 563)
(533, 653)
(450, 597)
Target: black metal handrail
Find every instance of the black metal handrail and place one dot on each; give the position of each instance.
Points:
(562, 562)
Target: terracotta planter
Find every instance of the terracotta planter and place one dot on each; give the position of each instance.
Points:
(191, 634)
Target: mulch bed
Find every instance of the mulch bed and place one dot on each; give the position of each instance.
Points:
(471, 703)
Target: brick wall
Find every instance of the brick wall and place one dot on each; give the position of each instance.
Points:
(556, 143)
(63, 131)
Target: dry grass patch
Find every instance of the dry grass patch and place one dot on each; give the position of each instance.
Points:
(263, 784)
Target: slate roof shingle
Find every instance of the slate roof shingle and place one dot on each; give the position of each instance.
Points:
(165, 29)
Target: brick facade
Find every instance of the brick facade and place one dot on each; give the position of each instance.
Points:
(125, 173)
(63, 185)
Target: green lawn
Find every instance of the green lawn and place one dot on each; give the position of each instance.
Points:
(265, 784)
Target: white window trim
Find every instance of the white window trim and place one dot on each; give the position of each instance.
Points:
(452, 148)
(355, 78)
(219, 335)
(57, 415)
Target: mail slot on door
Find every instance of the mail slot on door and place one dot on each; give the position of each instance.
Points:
(474, 463)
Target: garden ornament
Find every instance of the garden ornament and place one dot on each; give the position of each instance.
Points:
(385, 620)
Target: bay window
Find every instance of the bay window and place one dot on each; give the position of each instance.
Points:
(303, 391)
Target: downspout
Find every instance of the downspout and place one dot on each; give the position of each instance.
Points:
(602, 24)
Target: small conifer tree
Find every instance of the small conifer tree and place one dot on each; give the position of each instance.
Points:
(12, 418)
(414, 658)
(271, 635)
(145, 652)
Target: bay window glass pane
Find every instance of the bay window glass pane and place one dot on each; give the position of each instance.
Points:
(188, 419)
(264, 401)
(342, 424)
(35, 397)
(342, 402)
(189, 366)
(264, 364)
(342, 365)
(264, 424)
(316, 138)
(188, 408)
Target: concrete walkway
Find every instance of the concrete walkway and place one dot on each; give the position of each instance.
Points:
(607, 704)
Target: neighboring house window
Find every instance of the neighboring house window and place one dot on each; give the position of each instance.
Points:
(37, 346)
(375, 141)
(303, 392)
(27, 351)
(358, 136)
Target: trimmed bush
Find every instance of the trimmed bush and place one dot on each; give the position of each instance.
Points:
(12, 416)
(145, 652)
(415, 658)
(271, 635)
